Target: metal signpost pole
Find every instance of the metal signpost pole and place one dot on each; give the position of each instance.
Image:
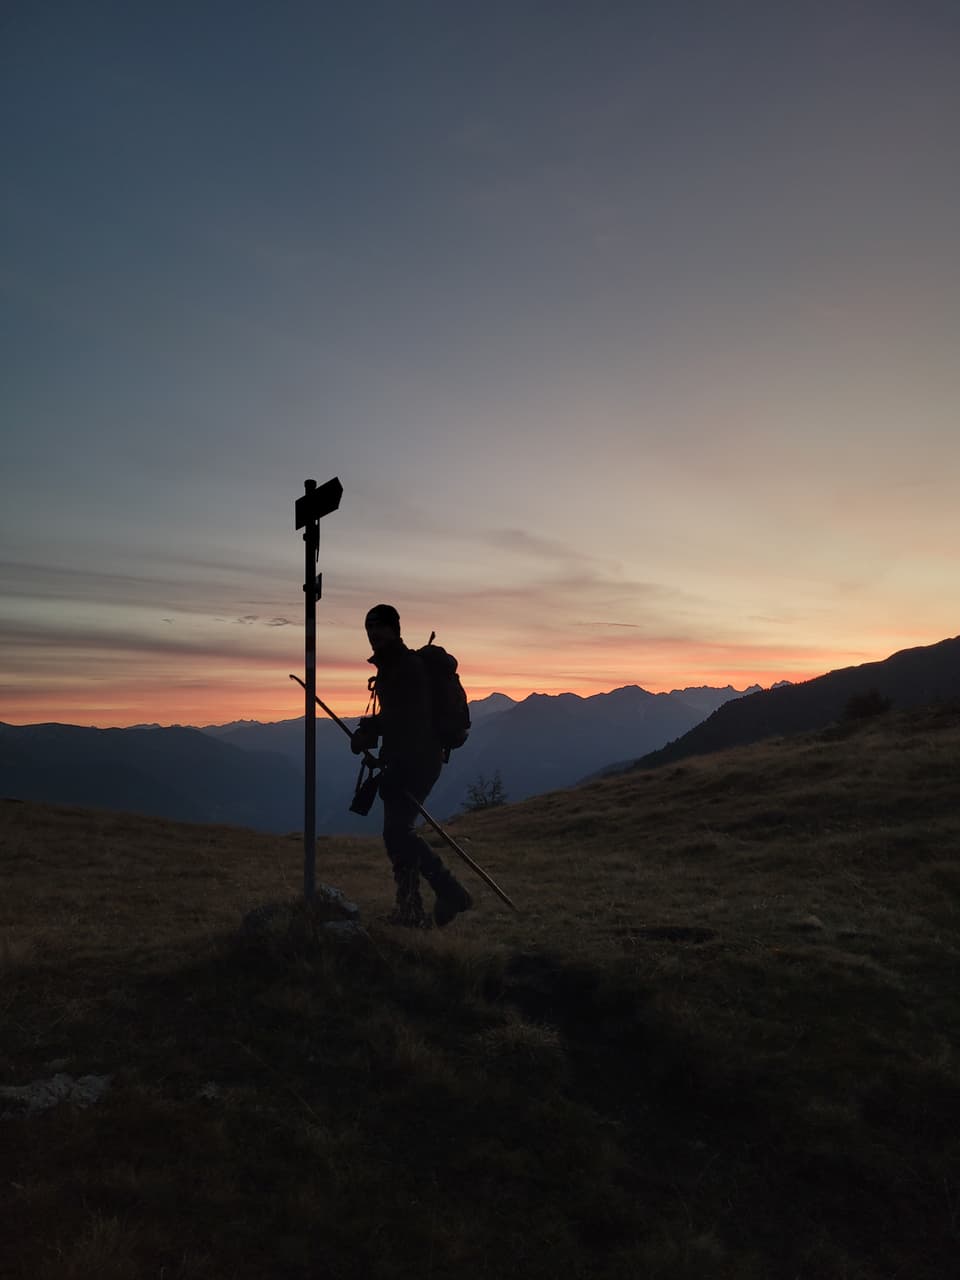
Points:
(310, 510)
(311, 589)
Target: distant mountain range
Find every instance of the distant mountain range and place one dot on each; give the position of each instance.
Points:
(542, 743)
(170, 773)
(910, 678)
(547, 741)
(251, 774)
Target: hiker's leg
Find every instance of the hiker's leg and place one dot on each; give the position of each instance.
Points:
(401, 793)
(399, 815)
(405, 850)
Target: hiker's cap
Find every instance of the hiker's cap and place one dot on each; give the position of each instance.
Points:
(383, 614)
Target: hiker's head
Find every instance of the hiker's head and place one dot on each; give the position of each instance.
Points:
(382, 624)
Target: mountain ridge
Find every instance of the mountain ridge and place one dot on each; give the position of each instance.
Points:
(540, 743)
(908, 678)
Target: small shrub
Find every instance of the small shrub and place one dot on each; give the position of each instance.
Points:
(863, 705)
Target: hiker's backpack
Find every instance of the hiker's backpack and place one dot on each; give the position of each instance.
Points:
(451, 715)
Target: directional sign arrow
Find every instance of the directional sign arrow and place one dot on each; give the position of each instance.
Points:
(317, 503)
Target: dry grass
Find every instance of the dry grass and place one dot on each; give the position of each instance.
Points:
(718, 1040)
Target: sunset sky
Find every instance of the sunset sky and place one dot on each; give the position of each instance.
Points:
(632, 331)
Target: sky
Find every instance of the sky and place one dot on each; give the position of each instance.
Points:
(629, 329)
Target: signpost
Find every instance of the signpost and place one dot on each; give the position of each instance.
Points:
(310, 510)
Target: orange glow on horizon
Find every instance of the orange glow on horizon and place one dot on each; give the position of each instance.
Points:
(198, 692)
(161, 702)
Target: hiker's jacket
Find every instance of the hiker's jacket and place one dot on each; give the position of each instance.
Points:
(405, 719)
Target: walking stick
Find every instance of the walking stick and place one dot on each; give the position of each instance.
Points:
(372, 761)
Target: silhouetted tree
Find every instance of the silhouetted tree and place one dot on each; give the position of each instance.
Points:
(485, 793)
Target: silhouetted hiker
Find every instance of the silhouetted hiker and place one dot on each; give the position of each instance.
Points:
(412, 758)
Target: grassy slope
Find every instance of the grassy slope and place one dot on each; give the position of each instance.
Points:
(718, 1041)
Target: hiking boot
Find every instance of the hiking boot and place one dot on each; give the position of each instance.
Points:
(409, 916)
(452, 898)
(408, 912)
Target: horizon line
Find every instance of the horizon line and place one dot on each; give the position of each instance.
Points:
(140, 723)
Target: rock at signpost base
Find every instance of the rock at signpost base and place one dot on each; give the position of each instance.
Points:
(335, 898)
(331, 914)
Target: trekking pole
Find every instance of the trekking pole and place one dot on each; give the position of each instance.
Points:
(372, 761)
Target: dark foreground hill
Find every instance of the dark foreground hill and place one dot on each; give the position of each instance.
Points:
(910, 678)
(718, 1041)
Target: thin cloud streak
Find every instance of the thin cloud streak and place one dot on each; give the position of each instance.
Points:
(22, 643)
(219, 587)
